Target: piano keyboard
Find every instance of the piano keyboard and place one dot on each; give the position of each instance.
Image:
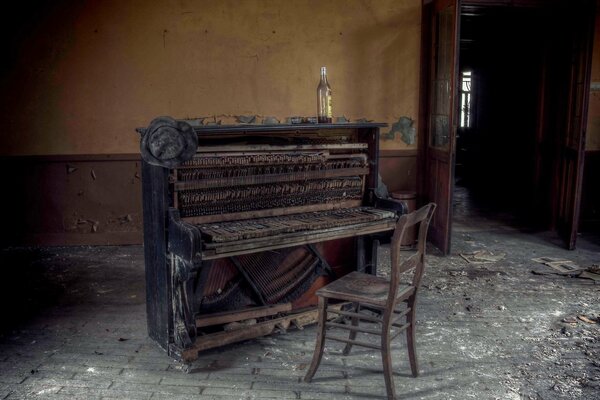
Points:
(310, 221)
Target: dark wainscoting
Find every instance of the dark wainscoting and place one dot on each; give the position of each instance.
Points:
(71, 200)
(398, 169)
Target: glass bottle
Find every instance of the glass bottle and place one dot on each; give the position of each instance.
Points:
(324, 112)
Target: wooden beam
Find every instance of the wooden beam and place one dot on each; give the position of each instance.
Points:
(249, 332)
(233, 316)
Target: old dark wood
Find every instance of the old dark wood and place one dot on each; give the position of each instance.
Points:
(368, 292)
(158, 279)
(298, 319)
(238, 231)
(232, 316)
(438, 113)
(579, 20)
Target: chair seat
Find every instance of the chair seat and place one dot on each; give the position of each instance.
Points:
(363, 288)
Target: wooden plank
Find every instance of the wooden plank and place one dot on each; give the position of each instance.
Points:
(232, 316)
(223, 338)
(231, 130)
(158, 295)
(271, 212)
(249, 332)
(310, 238)
(269, 178)
(249, 149)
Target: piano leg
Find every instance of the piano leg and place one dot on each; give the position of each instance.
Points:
(184, 323)
(371, 267)
(366, 254)
(361, 263)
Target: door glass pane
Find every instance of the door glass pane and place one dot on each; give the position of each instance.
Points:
(442, 80)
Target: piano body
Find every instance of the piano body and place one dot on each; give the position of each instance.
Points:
(243, 223)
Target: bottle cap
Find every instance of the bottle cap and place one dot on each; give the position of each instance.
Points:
(323, 70)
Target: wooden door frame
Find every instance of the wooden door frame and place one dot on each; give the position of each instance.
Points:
(424, 150)
(569, 188)
(445, 156)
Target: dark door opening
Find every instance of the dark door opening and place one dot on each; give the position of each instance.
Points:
(515, 90)
(500, 67)
(515, 96)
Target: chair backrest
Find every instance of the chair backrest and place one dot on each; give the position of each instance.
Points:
(420, 217)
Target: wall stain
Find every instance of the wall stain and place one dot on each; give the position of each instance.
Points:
(405, 127)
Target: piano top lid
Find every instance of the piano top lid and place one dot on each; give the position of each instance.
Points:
(283, 127)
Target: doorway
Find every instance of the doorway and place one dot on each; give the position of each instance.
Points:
(521, 104)
(499, 89)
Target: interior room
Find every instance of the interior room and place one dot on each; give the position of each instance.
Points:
(500, 92)
(200, 195)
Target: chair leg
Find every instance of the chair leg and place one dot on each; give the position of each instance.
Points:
(410, 339)
(352, 335)
(320, 343)
(386, 356)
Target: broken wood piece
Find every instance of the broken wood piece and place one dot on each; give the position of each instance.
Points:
(482, 257)
(232, 326)
(569, 320)
(236, 316)
(586, 319)
(297, 325)
(260, 329)
(589, 275)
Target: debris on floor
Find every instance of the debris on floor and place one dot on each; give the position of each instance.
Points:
(482, 257)
(561, 265)
(567, 268)
(586, 319)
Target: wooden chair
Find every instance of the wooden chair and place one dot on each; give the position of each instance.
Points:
(391, 303)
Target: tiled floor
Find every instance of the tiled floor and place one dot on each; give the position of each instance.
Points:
(486, 331)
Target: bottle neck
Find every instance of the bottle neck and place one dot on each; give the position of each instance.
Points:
(323, 74)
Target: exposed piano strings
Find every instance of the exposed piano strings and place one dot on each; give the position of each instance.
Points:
(277, 273)
(256, 197)
(244, 170)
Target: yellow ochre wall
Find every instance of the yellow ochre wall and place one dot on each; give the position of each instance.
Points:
(593, 126)
(91, 71)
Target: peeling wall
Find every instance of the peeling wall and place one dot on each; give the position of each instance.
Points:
(86, 73)
(593, 125)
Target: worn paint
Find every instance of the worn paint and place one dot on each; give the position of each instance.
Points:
(593, 124)
(405, 129)
(90, 72)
